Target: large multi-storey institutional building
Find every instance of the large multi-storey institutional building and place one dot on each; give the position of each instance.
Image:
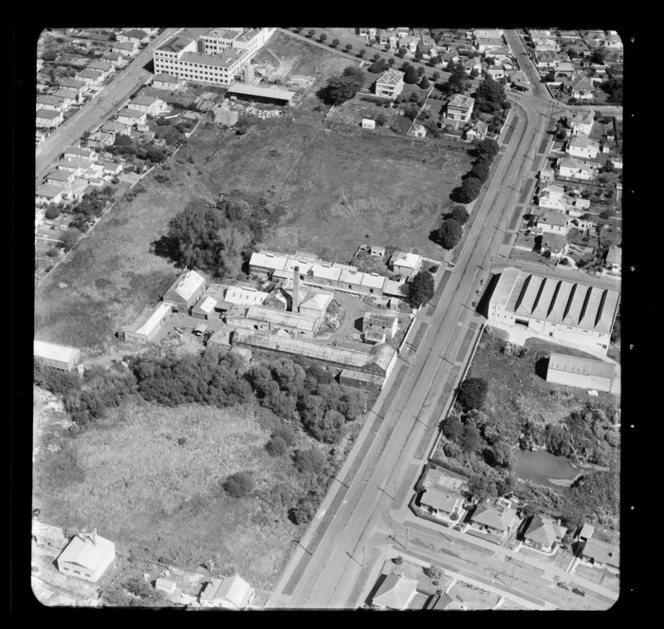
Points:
(215, 55)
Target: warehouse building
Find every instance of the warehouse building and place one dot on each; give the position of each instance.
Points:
(569, 312)
(87, 556)
(185, 291)
(56, 356)
(147, 325)
(583, 373)
(259, 94)
(379, 361)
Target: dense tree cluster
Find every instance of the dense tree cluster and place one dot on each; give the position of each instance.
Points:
(485, 151)
(343, 87)
(458, 82)
(448, 234)
(421, 288)
(146, 151)
(472, 393)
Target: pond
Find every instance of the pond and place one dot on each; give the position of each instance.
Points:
(541, 465)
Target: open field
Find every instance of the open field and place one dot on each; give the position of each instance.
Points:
(148, 478)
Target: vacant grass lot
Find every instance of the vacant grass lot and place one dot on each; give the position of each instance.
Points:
(149, 478)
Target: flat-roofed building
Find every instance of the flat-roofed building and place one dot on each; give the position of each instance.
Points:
(583, 373)
(185, 291)
(613, 261)
(147, 325)
(167, 82)
(266, 263)
(57, 356)
(87, 556)
(568, 312)
(601, 554)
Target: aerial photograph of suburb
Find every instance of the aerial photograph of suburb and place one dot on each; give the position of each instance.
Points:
(327, 318)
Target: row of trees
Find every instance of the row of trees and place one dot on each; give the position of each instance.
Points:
(485, 152)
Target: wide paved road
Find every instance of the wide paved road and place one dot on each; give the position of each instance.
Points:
(324, 568)
(99, 108)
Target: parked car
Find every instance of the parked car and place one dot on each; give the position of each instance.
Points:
(578, 591)
(563, 585)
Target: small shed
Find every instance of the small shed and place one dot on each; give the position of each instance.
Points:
(165, 585)
(368, 123)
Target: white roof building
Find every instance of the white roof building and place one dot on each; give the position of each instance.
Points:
(87, 556)
(230, 593)
(57, 356)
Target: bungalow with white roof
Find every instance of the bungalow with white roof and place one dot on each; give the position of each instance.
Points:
(132, 117)
(478, 131)
(167, 82)
(582, 89)
(497, 517)
(390, 84)
(572, 168)
(406, 264)
(579, 146)
(581, 122)
(148, 104)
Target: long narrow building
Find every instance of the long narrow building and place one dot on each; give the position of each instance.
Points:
(569, 312)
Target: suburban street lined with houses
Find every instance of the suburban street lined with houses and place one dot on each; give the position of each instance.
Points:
(367, 540)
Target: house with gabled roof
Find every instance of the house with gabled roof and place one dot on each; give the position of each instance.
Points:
(407, 264)
(459, 109)
(581, 122)
(582, 89)
(543, 533)
(579, 146)
(495, 516)
(395, 592)
(48, 118)
(185, 291)
(87, 556)
(571, 168)
(551, 196)
(601, 554)
(583, 373)
(613, 260)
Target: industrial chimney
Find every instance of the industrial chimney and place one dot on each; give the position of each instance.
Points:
(295, 307)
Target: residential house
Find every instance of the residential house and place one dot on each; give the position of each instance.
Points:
(582, 89)
(90, 77)
(55, 356)
(410, 43)
(496, 516)
(543, 533)
(546, 59)
(48, 194)
(126, 48)
(585, 532)
(553, 222)
(459, 108)
(229, 593)
(613, 260)
(165, 585)
(519, 81)
(78, 152)
(564, 70)
(74, 84)
(390, 84)
(395, 592)
(69, 96)
(131, 117)
(546, 43)
(406, 264)
(554, 244)
(167, 82)
(367, 123)
(377, 327)
(488, 33)
(613, 41)
(572, 168)
(105, 67)
(616, 162)
(551, 196)
(133, 35)
(50, 103)
(87, 556)
(579, 146)
(487, 44)
(417, 130)
(112, 168)
(546, 176)
(478, 131)
(472, 64)
(148, 104)
(442, 503)
(47, 118)
(496, 72)
(601, 554)
(61, 178)
(581, 122)
(114, 58)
